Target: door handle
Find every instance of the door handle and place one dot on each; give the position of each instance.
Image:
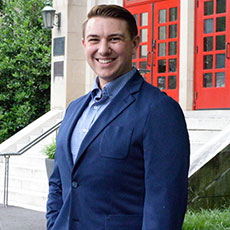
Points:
(148, 54)
(227, 50)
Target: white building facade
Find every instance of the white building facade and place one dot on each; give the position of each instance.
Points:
(184, 50)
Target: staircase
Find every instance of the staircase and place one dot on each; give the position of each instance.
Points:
(205, 125)
(28, 182)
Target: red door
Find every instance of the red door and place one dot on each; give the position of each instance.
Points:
(212, 54)
(143, 16)
(158, 55)
(166, 35)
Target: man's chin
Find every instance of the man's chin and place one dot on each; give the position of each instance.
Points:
(104, 79)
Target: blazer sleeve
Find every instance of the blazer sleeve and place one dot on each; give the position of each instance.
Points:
(166, 158)
(55, 201)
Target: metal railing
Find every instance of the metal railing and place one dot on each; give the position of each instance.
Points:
(20, 152)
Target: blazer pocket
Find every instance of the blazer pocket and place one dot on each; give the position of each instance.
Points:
(123, 222)
(115, 142)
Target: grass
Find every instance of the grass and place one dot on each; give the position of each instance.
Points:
(217, 219)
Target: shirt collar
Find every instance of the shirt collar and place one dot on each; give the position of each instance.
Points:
(112, 88)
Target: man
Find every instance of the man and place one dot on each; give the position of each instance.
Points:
(122, 153)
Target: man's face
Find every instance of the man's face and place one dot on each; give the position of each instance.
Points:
(109, 48)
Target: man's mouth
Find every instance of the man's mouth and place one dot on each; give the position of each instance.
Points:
(105, 61)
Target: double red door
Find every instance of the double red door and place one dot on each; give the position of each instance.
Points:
(212, 54)
(158, 54)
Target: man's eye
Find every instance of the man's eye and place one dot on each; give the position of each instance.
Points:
(93, 40)
(115, 39)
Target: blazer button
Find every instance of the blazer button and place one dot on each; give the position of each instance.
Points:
(74, 184)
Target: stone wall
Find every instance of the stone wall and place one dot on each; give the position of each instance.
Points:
(209, 187)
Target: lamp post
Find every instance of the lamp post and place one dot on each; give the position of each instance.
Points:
(48, 14)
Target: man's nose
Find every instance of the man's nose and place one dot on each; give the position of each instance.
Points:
(104, 48)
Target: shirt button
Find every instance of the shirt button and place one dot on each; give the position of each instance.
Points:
(74, 184)
(84, 130)
(95, 107)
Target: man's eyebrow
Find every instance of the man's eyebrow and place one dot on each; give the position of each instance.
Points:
(111, 35)
(92, 35)
(116, 34)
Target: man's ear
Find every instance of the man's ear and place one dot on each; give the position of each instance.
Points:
(136, 42)
(83, 42)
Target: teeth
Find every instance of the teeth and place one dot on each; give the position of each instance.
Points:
(105, 61)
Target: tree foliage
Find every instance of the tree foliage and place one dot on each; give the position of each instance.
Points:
(1, 6)
(24, 65)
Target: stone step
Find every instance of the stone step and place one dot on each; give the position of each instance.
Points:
(33, 185)
(25, 171)
(201, 136)
(36, 160)
(204, 125)
(208, 114)
(48, 140)
(195, 146)
(209, 124)
(26, 199)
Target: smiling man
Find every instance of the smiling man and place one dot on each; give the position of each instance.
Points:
(109, 47)
(122, 153)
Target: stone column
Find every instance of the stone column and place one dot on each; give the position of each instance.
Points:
(68, 67)
(186, 54)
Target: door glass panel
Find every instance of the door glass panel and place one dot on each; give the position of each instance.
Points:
(208, 8)
(220, 61)
(173, 31)
(162, 66)
(172, 48)
(161, 83)
(208, 44)
(172, 65)
(220, 6)
(172, 82)
(162, 16)
(208, 59)
(144, 35)
(143, 65)
(220, 42)
(207, 80)
(162, 32)
(162, 49)
(143, 51)
(208, 26)
(144, 19)
(220, 80)
(220, 24)
(173, 14)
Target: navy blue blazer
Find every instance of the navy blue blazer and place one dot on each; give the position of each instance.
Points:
(131, 171)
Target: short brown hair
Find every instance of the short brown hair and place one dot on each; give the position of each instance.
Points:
(112, 11)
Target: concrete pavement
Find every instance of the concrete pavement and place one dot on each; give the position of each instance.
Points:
(15, 218)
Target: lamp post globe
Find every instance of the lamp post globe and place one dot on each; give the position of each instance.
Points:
(48, 13)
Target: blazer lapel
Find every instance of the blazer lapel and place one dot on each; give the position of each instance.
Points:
(71, 123)
(119, 104)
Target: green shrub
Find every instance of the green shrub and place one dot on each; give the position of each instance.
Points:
(49, 150)
(25, 57)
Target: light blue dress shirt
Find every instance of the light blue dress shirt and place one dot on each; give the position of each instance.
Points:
(99, 101)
